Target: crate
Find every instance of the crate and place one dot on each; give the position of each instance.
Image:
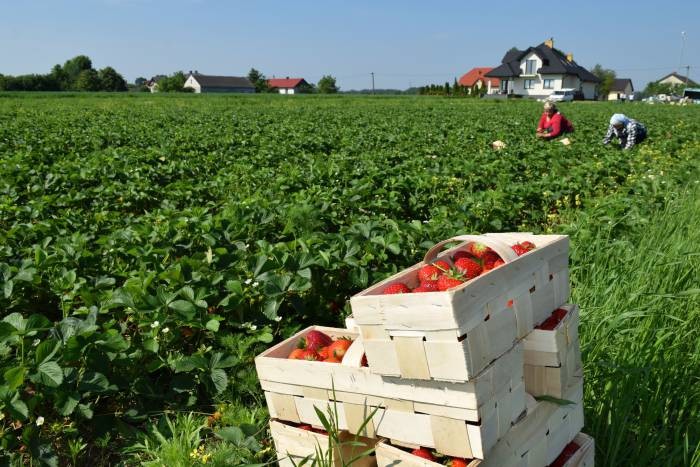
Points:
(539, 438)
(461, 419)
(553, 357)
(584, 456)
(392, 456)
(453, 335)
(294, 445)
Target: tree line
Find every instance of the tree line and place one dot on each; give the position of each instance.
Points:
(76, 74)
(326, 85)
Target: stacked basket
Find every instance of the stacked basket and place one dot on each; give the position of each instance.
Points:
(449, 371)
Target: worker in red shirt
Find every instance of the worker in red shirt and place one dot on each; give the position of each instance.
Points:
(553, 123)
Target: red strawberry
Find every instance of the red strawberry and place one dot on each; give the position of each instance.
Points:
(296, 354)
(468, 267)
(462, 254)
(396, 288)
(449, 280)
(527, 245)
(478, 249)
(338, 348)
(363, 362)
(443, 266)
(429, 272)
(518, 249)
(457, 462)
(497, 263)
(490, 259)
(331, 359)
(306, 427)
(510, 303)
(323, 353)
(424, 453)
(314, 340)
(427, 286)
(308, 354)
(565, 455)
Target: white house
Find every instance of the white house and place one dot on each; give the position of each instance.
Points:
(539, 71)
(620, 90)
(207, 83)
(288, 85)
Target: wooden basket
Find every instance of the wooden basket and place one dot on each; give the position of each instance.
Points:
(453, 335)
(461, 419)
(294, 445)
(584, 456)
(392, 456)
(553, 357)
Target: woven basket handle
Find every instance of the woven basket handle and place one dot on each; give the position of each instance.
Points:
(503, 250)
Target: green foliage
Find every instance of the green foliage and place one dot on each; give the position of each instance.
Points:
(607, 78)
(173, 83)
(87, 80)
(151, 245)
(258, 80)
(327, 85)
(110, 80)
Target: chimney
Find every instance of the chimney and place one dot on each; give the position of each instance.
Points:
(196, 72)
(569, 57)
(549, 42)
(287, 77)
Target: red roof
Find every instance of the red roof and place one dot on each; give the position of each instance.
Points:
(284, 82)
(476, 74)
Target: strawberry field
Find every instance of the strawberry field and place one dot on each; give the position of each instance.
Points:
(151, 246)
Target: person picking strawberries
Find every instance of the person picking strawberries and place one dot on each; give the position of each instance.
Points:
(553, 123)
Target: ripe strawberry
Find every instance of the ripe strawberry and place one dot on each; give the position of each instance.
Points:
(468, 267)
(490, 259)
(427, 286)
(527, 245)
(429, 272)
(338, 348)
(296, 354)
(305, 427)
(518, 249)
(457, 462)
(462, 254)
(442, 265)
(497, 263)
(363, 362)
(396, 288)
(308, 354)
(449, 280)
(331, 359)
(323, 353)
(478, 249)
(314, 340)
(424, 453)
(568, 452)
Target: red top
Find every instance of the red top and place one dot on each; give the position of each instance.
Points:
(284, 82)
(556, 124)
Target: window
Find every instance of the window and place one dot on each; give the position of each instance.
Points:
(530, 67)
(529, 84)
(548, 84)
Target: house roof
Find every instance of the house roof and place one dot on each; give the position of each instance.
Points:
(475, 74)
(619, 85)
(285, 82)
(554, 62)
(222, 81)
(679, 77)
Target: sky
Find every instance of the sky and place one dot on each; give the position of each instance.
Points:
(405, 43)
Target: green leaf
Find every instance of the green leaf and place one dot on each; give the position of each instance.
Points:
(219, 378)
(212, 325)
(6, 330)
(7, 288)
(94, 382)
(18, 408)
(265, 337)
(14, 377)
(104, 282)
(186, 364)
(16, 321)
(38, 323)
(184, 308)
(234, 287)
(151, 345)
(188, 293)
(50, 374)
(85, 411)
(232, 434)
(46, 350)
(271, 307)
(26, 275)
(66, 403)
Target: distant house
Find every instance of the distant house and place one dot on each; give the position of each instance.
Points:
(476, 79)
(207, 83)
(152, 84)
(539, 71)
(620, 90)
(287, 85)
(674, 78)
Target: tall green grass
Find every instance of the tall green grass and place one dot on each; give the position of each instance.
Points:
(637, 280)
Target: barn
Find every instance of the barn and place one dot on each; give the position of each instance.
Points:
(208, 83)
(288, 85)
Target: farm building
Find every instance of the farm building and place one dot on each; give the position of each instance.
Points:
(674, 78)
(288, 85)
(152, 84)
(207, 83)
(620, 90)
(538, 71)
(475, 78)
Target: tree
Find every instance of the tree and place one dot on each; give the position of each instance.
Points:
(111, 81)
(326, 85)
(173, 83)
(59, 75)
(258, 80)
(73, 67)
(140, 81)
(87, 80)
(607, 77)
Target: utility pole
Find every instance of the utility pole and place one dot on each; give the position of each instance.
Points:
(680, 63)
(372, 73)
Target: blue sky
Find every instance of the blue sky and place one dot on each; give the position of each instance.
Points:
(403, 42)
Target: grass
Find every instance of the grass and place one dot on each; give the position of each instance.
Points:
(639, 292)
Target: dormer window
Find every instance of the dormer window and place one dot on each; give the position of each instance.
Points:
(530, 67)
